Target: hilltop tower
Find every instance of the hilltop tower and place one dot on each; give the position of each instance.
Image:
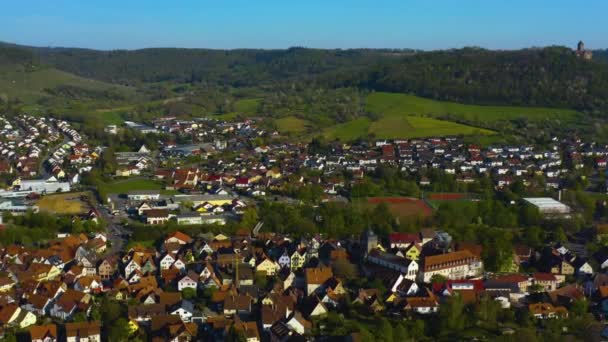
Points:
(581, 52)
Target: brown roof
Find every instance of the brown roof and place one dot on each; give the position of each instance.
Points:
(421, 302)
(82, 329)
(38, 301)
(7, 312)
(170, 298)
(318, 275)
(474, 248)
(157, 213)
(511, 278)
(447, 259)
(148, 310)
(544, 276)
(180, 236)
(249, 329)
(604, 291)
(39, 332)
(239, 302)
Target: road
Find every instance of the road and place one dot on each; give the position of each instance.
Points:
(43, 171)
(114, 230)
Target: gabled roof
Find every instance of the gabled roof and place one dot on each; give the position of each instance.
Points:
(180, 236)
(39, 332)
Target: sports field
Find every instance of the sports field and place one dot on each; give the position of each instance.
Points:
(402, 206)
(64, 203)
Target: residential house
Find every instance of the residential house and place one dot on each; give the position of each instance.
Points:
(83, 332)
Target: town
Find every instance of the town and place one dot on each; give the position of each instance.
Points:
(237, 233)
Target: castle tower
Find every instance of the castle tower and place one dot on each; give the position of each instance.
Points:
(580, 46)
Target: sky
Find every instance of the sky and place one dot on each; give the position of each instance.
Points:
(229, 24)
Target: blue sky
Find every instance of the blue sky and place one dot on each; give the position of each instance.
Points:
(421, 24)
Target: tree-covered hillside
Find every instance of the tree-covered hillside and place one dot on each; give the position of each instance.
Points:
(550, 76)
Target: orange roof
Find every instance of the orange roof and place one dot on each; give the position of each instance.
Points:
(39, 332)
(180, 236)
(604, 291)
(318, 275)
(447, 259)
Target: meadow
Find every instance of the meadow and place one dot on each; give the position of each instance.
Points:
(123, 186)
(291, 124)
(64, 203)
(31, 85)
(392, 104)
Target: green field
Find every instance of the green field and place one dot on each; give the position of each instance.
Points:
(349, 130)
(291, 124)
(247, 106)
(126, 185)
(391, 104)
(408, 116)
(390, 127)
(108, 117)
(244, 107)
(29, 86)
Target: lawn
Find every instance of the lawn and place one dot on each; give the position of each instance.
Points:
(244, 107)
(390, 127)
(108, 117)
(393, 126)
(349, 130)
(64, 204)
(247, 106)
(29, 86)
(392, 104)
(126, 185)
(291, 124)
(408, 116)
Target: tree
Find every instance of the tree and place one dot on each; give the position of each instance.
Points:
(452, 315)
(189, 293)
(119, 330)
(235, 335)
(250, 218)
(580, 307)
(400, 332)
(385, 331)
(344, 269)
(438, 279)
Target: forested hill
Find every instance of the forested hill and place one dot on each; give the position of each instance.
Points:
(243, 67)
(551, 76)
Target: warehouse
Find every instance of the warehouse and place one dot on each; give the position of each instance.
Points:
(548, 206)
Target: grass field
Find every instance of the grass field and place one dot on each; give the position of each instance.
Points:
(126, 185)
(108, 117)
(29, 86)
(291, 124)
(64, 204)
(408, 116)
(391, 104)
(394, 126)
(247, 106)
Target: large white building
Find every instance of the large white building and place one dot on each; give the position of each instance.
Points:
(42, 186)
(548, 206)
(455, 265)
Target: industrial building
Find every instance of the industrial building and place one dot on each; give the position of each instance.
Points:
(548, 205)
